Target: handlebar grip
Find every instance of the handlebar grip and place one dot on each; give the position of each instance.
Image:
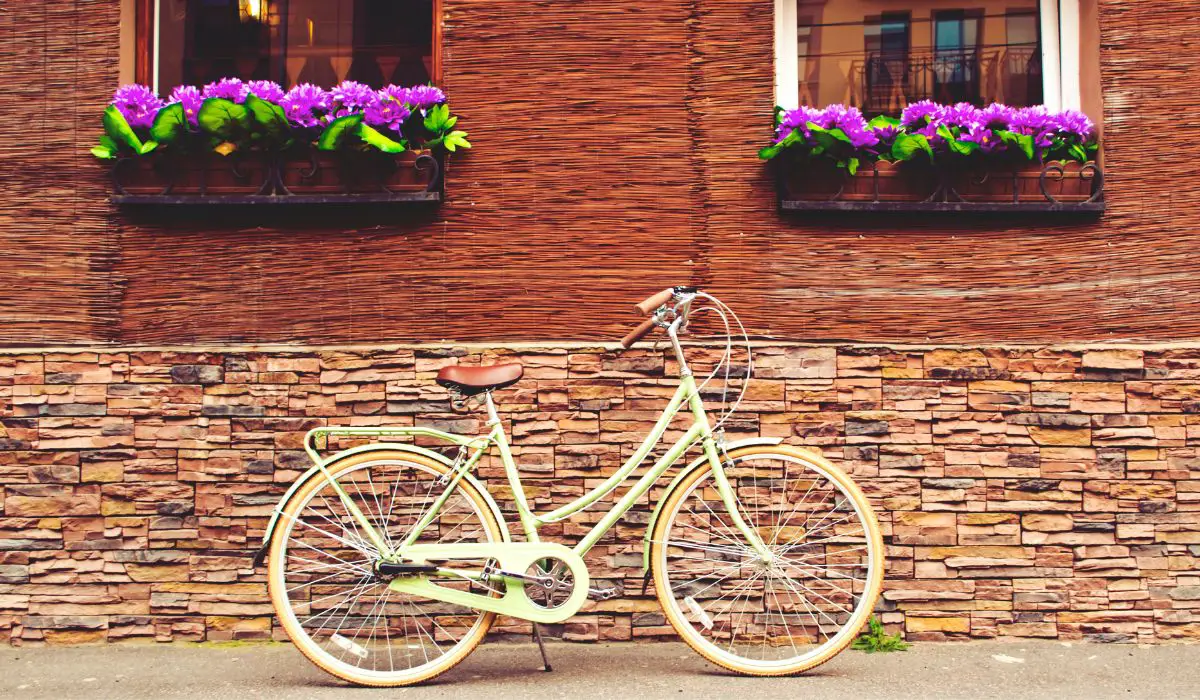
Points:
(652, 303)
(637, 333)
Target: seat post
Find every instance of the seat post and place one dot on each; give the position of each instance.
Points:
(493, 416)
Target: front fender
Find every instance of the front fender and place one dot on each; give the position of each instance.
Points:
(696, 464)
(315, 471)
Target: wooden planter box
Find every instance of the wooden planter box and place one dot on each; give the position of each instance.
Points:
(880, 181)
(1065, 181)
(301, 176)
(359, 173)
(816, 185)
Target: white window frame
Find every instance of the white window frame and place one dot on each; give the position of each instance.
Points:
(1060, 55)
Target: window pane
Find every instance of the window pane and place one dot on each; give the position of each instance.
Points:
(294, 41)
(882, 54)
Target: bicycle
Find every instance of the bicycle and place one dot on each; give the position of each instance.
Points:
(388, 562)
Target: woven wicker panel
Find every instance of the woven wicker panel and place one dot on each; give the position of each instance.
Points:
(614, 155)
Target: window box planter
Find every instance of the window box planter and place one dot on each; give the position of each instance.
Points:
(1059, 186)
(301, 176)
(253, 143)
(936, 158)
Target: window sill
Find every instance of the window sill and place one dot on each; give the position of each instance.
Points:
(1070, 208)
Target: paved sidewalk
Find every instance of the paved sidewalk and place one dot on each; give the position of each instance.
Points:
(661, 670)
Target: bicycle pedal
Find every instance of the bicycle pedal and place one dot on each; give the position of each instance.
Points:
(603, 593)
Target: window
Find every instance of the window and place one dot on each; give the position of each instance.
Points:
(879, 55)
(289, 41)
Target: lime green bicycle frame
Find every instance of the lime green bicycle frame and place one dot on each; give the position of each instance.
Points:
(699, 433)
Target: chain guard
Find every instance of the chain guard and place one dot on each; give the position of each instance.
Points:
(510, 556)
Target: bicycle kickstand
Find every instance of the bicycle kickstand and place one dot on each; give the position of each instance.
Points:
(537, 636)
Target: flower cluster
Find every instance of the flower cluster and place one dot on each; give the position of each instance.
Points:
(958, 130)
(393, 117)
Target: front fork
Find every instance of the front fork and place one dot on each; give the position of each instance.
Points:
(731, 501)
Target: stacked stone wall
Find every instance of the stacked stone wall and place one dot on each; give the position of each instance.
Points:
(1024, 492)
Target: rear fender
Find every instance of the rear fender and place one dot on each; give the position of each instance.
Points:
(315, 472)
(698, 463)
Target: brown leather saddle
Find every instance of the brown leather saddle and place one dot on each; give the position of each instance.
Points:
(469, 381)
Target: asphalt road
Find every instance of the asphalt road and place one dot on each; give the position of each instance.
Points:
(501, 671)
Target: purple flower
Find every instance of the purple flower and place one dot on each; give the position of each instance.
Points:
(305, 104)
(1073, 123)
(397, 93)
(350, 97)
(963, 115)
(997, 116)
(227, 89)
(850, 120)
(268, 90)
(887, 133)
(387, 112)
(138, 104)
(797, 119)
(422, 97)
(188, 96)
(985, 137)
(918, 113)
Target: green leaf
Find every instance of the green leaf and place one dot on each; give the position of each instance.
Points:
(944, 132)
(374, 137)
(335, 134)
(1025, 143)
(117, 129)
(103, 152)
(963, 148)
(223, 118)
(1078, 153)
(852, 166)
(906, 147)
(169, 124)
(438, 119)
(455, 140)
(268, 116)
(882, 121)
(769, 152)
(147, 147)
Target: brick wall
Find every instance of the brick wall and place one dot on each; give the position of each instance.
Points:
(1035, 492)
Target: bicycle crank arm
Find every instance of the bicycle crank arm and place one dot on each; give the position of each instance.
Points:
(509, 557)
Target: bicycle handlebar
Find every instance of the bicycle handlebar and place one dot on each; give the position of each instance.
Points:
(653, 302)
(638, 333)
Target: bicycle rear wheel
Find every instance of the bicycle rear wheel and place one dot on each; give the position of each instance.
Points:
(322, 580)
(785, 613)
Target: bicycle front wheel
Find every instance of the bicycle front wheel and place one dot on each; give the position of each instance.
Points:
(773, 615)
(322, 577)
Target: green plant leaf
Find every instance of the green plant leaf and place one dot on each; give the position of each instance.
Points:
(882, 121)
(437, 120)
(852, 166)
(103, 152)
(945, 132)
(335, 134)
(907, 146)
(1025, 143)
(147, 146)
(769, 152)
(268, 116)
(455, 140)
(963, 148)
(117, 129)
(876, 639)
(169, 124)
(1077, 152)
(373, 137)
(222, 118)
